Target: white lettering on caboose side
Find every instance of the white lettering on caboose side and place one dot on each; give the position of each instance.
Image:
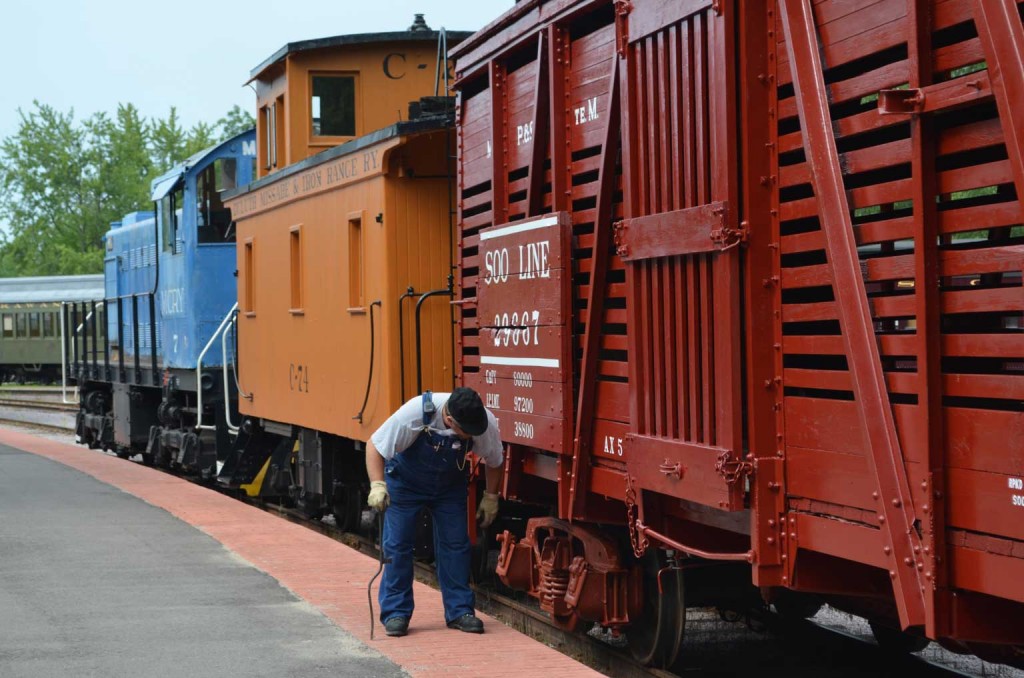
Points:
(1018, 485)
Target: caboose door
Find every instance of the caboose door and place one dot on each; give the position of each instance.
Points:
(679, 239)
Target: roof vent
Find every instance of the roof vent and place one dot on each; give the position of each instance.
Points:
(419, 25)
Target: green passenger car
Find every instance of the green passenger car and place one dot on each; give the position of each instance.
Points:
(30, 323)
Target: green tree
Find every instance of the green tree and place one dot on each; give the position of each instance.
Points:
(236, 121)
(168, 142)
(124, 166)
(49, 180)
(62, 182)
(199, 137)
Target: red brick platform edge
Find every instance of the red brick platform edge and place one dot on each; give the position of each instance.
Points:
(330, 576)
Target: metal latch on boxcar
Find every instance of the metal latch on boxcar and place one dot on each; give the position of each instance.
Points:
(732, 469)
(726, 238)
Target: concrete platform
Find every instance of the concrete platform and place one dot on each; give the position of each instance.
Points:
(188, 582)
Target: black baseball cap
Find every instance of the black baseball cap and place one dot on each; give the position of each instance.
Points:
(466, 408)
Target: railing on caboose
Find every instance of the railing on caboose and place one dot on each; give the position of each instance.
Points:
(80, 348)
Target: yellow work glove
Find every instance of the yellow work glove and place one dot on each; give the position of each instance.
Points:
(488, 509)
(378, 498)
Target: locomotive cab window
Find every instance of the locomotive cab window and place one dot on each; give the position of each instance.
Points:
(333, 106)
(169, 214)
(213, 219)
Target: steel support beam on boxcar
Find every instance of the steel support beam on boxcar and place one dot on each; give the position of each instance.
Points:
(1002, 37)
(927, 311)
(541, 121)
(895, 513)
(558, 76)
(499, 161)
(763, 350)
(585, 409)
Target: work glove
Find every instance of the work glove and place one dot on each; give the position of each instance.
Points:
(378, 498)
(488, 509)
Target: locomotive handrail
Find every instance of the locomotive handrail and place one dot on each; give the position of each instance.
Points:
(224, 370)
(234, 359)
(199, 367)
(64, 362)
(64, 356)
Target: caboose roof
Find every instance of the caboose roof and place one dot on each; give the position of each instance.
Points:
(356, 39)
(403, 128)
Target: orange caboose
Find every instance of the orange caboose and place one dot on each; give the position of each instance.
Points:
(348, 226)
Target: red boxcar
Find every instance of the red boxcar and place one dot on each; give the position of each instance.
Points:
(742, 281)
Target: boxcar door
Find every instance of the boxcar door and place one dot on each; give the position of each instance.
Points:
(679, 240)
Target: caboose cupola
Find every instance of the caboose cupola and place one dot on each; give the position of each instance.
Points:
(316, 94)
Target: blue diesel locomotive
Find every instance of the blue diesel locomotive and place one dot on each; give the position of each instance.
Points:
(154, 388)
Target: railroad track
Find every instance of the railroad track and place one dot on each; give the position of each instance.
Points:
(37, 404)
(721, 648)
(37, 415)
(791, 638)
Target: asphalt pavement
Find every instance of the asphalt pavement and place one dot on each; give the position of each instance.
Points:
(95, 582)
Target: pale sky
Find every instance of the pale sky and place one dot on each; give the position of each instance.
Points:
(193, 54)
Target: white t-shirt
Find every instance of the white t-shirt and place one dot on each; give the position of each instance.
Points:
(405, 425)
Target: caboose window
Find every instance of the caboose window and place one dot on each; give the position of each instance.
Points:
(278, 158)
(296, 268)
(355, 261)
(247, 263)
(266, 135)
(333, 106)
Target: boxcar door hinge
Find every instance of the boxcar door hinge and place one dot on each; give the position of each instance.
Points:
(622, 10)
(732, 469)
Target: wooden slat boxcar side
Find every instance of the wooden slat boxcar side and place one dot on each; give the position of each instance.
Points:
(911, 111)
(795, 297)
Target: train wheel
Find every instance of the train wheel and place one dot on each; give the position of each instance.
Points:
(896, 641)
(347, 508)
(656, 639)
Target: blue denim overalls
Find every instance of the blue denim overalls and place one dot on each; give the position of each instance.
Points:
(429, 474)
